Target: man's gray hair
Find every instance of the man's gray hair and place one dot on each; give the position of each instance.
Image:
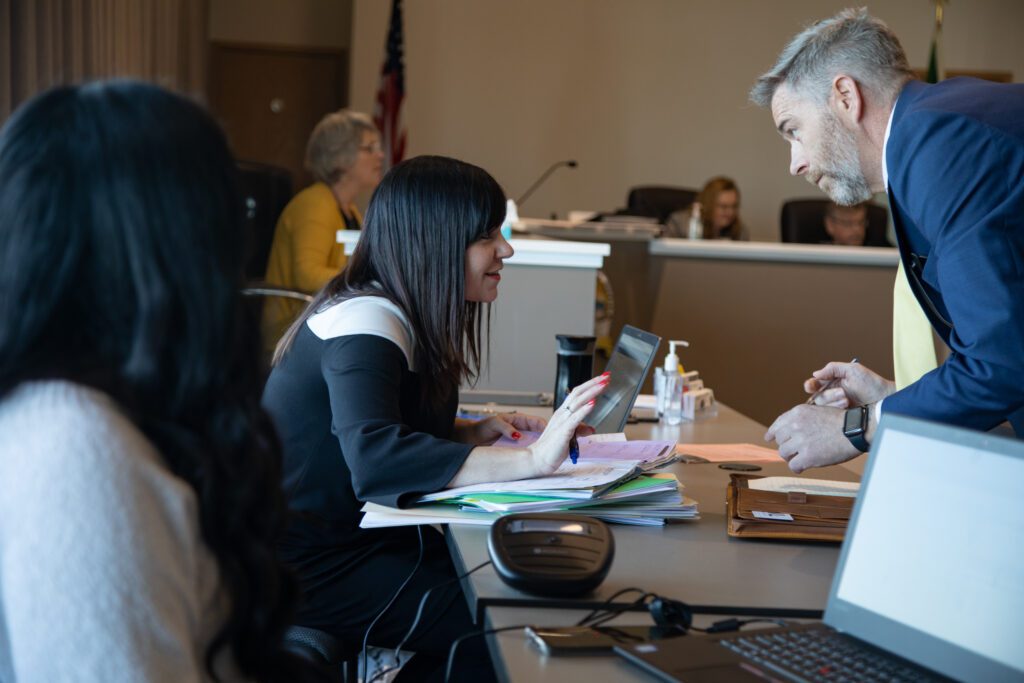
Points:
(853, 43)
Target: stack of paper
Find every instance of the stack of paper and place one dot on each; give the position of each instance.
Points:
(583, 481)
(647, 499)
(613, 481)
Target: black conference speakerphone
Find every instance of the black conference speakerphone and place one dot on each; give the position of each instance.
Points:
(551, 554)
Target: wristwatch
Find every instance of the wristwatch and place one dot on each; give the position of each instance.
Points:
(855, 426)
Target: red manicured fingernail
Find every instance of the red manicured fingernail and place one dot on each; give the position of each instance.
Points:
(605, 380)
(516, 435)
(590, 402)
(605, 374)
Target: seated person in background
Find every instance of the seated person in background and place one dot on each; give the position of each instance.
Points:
(345, 157)
(140, 497)
(847, 225)
(364, 392)
(718, 205)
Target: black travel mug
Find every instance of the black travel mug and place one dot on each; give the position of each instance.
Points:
(575, 364)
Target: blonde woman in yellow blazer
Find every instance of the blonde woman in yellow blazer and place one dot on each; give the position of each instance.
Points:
(344, 155)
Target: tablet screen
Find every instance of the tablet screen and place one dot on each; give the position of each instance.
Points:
(629, 364)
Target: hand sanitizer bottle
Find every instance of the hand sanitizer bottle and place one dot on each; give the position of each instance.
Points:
(664, 375)
(511, 218)
(696, 228)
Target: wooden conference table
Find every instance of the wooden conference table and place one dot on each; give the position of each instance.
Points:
(693, 561)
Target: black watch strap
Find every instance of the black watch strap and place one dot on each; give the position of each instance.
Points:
(855, 428)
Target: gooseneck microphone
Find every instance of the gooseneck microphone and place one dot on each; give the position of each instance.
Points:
(571, 163)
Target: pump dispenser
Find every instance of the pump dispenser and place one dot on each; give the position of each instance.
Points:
(671, 359)
(695, 230)
(666, 376)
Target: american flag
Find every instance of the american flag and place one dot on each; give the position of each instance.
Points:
(387, 114)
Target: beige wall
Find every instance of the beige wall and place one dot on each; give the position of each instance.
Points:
(639, 91)
(306, 23)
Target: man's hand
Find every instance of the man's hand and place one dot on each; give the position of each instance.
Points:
(855, 385)
(811, 436)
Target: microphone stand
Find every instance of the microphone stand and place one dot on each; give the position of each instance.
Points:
(571, 163)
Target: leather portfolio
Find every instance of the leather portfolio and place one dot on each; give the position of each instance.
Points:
(787, 516)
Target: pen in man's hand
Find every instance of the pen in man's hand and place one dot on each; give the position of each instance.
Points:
(828, 386)
(574, 449)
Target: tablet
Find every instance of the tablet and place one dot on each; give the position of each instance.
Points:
(629, 364)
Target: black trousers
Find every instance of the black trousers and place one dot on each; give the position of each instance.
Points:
(342, 599)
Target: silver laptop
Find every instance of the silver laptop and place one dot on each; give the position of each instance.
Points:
(929, 585)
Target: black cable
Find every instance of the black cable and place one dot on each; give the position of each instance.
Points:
(458, 641)
(366, 636)
(423, 602)
(612, 614)
(593, 613)
(599, 616)
(419, 615)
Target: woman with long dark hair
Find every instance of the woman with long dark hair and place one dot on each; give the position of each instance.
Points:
(364, 394)
(139, 478)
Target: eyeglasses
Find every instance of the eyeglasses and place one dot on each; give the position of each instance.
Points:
(372, 148)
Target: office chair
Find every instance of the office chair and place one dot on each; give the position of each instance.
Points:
(258, 292)
(803, 221)
(323, 650)
(658, 201)
(266, 191)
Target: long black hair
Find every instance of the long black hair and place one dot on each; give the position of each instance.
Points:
(422, 217)
(121, 254)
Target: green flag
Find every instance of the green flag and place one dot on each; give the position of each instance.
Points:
(933, 55)
(933, 61)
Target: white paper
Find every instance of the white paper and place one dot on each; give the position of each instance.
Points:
(819, 487)
(615, 437)
(730, 452)
(528, 438)
(776, 516)
(581, 479)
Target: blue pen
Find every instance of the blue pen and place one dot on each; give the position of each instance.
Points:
(574, 449)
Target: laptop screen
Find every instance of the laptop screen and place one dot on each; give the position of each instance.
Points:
(933, 566)
(629, 363)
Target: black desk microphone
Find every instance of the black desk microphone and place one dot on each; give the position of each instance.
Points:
(571, 163)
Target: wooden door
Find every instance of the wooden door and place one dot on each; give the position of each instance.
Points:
(268, 99)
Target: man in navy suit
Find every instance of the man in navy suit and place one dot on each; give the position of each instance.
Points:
(951, 157)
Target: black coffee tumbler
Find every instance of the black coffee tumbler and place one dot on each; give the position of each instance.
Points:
(575, 364)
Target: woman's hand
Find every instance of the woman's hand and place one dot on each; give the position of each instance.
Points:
(486, 463)
(551, 449)
(488, 430)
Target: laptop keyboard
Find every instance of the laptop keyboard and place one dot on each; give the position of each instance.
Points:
(816, 655)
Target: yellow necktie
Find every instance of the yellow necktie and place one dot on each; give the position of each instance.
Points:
(913, 347)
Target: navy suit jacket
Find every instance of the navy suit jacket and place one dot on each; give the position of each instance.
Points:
(955, 160)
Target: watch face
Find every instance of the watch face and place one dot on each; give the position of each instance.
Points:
(854, 423)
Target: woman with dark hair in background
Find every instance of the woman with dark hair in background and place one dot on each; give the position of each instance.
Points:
(139, 479)
(345, 157)
(364, 394)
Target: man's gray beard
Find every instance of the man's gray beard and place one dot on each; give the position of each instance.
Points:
(848, 185)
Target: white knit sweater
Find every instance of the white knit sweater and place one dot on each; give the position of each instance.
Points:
(103, 573)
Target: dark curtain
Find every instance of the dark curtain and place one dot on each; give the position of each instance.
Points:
(51, 42)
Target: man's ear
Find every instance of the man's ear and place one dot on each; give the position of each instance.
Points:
(847, 100)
